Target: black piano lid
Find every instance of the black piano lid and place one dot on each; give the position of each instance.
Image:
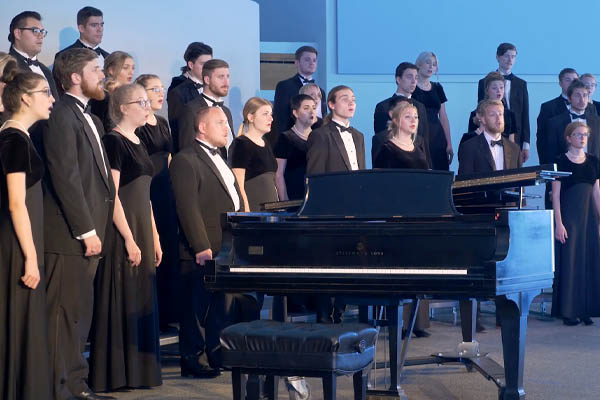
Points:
(381, 193)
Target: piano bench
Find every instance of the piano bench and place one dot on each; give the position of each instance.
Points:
(275, 349)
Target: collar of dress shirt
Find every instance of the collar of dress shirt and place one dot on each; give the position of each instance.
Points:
(564, 97)
(83, 100)
(206, 143)
(25, 54)
(192, 77)
(89, 45)
(489, 137)
(408, 96)
(218, 99)
(337, 121)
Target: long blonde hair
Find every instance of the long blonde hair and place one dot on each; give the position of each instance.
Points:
(251, 106)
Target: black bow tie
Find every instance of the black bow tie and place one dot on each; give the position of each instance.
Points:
(577, 116)
(509, 77)
(496, 142)
(197, 85)
(342, 128)
(305, 80)
(212, 150)
(214, 102)
(31, 62)
(86, 108)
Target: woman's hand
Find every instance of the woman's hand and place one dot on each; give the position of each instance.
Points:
(560, 233)
(134, 254)
(157, 253)
(449, 153)
(31, 277)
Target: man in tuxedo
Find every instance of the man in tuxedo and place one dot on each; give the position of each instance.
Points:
(204, 188)
(406, 82)
(26, 37)
(78, 208)
(90, 24)
(215, 78)
(306, 65)
(553, 107)
(516, 95)
(188, 85)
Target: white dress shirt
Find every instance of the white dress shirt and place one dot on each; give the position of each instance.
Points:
(226, 174)
(33, 68)
(194, 79)
(100, 57)
(497, 151)
(349, 144)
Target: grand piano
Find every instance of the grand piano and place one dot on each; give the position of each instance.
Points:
(385, 236)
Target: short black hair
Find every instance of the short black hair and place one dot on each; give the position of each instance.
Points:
(403, 66)
(85, 13)
(504, 47)
(304, 49)
(195, 50)
(296, 101)
(565, 71)
(576, 84)
(18, 20)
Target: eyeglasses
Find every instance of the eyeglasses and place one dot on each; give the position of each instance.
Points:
(581, 135)
(143, 103)
(156, 90)
(47, 91)
(36, 31)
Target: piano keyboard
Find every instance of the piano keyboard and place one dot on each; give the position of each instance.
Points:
(349, 270)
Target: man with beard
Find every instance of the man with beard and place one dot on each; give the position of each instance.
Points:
(78, 206)
(215, 76)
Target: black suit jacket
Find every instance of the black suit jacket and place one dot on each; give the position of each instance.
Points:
(176, 81)
(177, 98)
(22, 62)
(282, 111)
(382, 116)
(555, 144)
(475, 156)
(186, 133)
(549, 109)
(326, 151)
(201, 197)
(79, 192)
(519, 105)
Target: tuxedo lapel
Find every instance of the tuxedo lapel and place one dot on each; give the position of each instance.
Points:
(509, 159)
(211, 165)
(337, 138)
(359, 145)
(20, 59)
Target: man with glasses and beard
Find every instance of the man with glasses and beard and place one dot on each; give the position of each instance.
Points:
(215, 76)
(78, 207)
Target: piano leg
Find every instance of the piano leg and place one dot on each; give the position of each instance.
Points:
(279, 308)
(513, 310)
(468, 315)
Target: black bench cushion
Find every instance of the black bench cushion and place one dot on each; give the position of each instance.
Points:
(343, 348)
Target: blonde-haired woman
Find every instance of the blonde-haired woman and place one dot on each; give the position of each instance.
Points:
(432, 96)
(251, 158)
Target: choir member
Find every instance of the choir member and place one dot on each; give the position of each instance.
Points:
(90, 23)
(204, 188)
(306, 65)
(188, 85)
(215, 75)
(314, 91)
(590, 83)
(558, 105)
(24, 359)
(516, 95)
(26, 37)
(8, 65)
(432, 96)
(494, 90)
(156, 137)
(576, 205)
(406, 83)
(290, 149)
(251, 158)
(125, 349)
(335, 146)
(78, 204)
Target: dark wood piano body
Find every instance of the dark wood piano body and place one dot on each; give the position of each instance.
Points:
(387, 235)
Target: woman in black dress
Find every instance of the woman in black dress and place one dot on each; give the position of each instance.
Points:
(125, 337)
(156, 136)
(432, 95)
(290, 149)
(400, 151)
(252, 161)
(314, 91)
(576, 204)
(24, 359)
(494, 90)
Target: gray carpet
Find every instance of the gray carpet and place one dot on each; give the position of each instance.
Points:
(560, 363)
